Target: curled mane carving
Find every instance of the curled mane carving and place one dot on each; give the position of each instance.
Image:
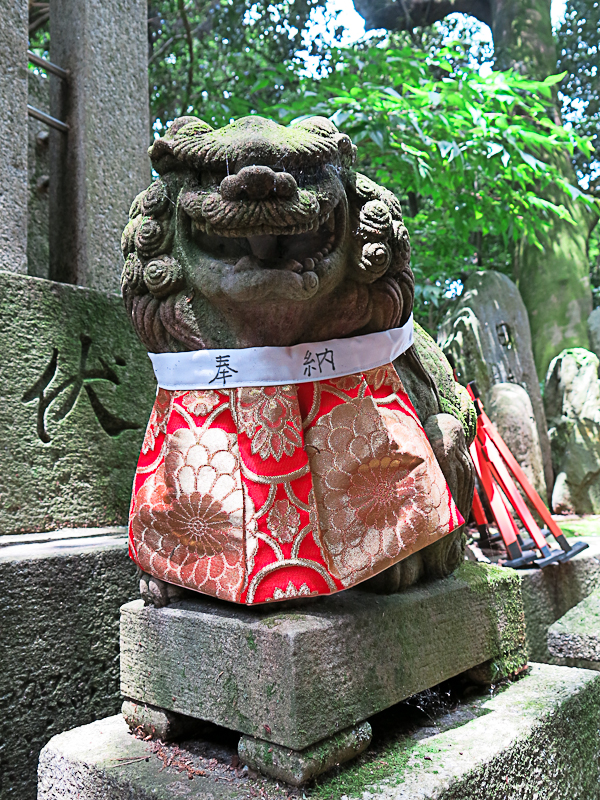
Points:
(258, 234)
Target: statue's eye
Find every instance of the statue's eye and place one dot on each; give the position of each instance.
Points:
(209, 180)
(310, 176)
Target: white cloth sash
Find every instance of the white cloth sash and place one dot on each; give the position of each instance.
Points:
(274, 366)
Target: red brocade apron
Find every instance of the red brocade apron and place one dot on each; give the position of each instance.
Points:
(255, 494)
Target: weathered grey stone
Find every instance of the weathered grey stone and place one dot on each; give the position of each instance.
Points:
(13, 136)
(549, 593)
(572, 400)
(509, 407)
(279, 287)
(299, 766)
(38, 169)
(59, 641)
(72, 465)
(155, 722)
(593, 326)
(576, 635)
(296, 677)
(535, 740)
(102, 163)
(486, 333)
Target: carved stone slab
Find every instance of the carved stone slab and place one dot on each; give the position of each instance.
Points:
(296, 676)
(76, 390)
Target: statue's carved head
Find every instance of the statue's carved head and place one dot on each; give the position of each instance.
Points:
(257, 234)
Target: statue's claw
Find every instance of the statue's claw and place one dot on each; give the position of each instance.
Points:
(157, 593)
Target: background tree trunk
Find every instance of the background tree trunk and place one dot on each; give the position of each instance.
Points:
(554, 282)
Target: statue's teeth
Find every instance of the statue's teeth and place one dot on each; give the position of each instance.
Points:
(309, 263)
(318, 256)
(329, 222)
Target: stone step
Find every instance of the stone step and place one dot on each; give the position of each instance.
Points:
(536, 738)
(550, 592)
(575, 637)
(294, 677)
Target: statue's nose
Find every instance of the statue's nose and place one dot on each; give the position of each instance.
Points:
(258, 183)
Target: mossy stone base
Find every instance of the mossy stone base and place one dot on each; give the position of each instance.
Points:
(298, 675)
(299, 766)
(537, 738)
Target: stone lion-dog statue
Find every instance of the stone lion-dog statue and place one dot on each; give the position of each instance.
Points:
(307, 436)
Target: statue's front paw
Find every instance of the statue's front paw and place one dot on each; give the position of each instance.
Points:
(396, 578)
(157, 593)
(447, 439)
(441, 558)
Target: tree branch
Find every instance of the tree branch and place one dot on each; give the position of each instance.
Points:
(404, 15)
(190, 43)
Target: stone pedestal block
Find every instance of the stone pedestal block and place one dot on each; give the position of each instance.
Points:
(59, 640)
(534, 740)
(295, 677)
(298, 767)
(76, 392)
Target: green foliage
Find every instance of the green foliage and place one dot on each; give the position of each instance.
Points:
(220, 59)
(579, 59)
(474, 158)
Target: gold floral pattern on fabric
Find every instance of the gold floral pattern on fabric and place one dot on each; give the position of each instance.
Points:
(384, 376)
(271, 419)
(373, 490)
(200, 402)
(370, 487)
(189, 517)
(159, 419)
(347, 382)
(284, 521)
(291, 592)
(263, 494)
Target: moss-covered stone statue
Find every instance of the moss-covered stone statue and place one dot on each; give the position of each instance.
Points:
(271, 283)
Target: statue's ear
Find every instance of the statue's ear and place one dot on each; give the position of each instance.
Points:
(318, 125)
(193, 125)
(183, 140)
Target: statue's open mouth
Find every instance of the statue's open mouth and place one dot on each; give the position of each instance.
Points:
(298, 253)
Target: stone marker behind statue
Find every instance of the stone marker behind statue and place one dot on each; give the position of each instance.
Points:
(572, 400)
(509, 408)
(486, 334)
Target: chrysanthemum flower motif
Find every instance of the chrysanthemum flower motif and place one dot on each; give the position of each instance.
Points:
(188, 519)
(283, 521)
(377, 485)
(271, 418)
(200, 402)
(373, 490)
(198, 523)
(291, 591)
